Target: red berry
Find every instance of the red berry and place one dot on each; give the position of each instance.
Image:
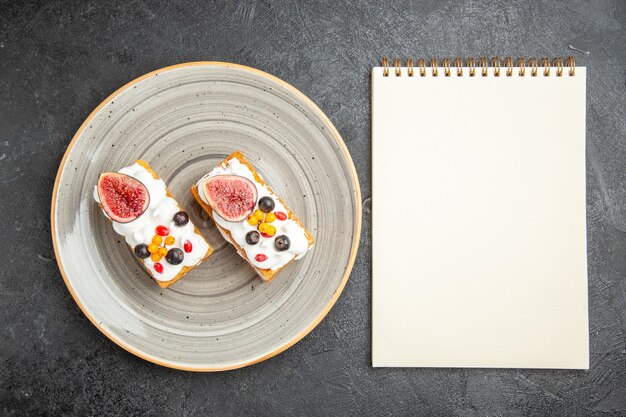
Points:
(260, 257)
(280, 215)
(162, 231)
(265, 235)
(188, 246)
(158, 267)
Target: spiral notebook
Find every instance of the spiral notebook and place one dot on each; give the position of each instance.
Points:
(478, 214)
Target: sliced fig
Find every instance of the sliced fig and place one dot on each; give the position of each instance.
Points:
(122, 197)
(231, 196)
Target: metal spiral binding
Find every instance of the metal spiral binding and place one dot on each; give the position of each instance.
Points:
(483, 63)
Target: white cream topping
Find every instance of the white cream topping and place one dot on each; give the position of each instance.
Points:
(238, 230)
(160, 211)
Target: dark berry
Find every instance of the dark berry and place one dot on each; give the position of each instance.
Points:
(174, 256)
(181, 218)
(266, 204)
(141, 251)
(282, 242)
(252, 237)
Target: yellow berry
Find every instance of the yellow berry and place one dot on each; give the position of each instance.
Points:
(169, 241)
(270, 230)
(152, 248)
(156, 239)
(270, 217)
(162, 251)
(252, 221)
(156, 257)
(263, 227)
(259, 215)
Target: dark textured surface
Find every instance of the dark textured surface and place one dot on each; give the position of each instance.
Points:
(58, 61)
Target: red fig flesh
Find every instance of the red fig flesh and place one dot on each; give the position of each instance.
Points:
(231, 196)
(122, 197)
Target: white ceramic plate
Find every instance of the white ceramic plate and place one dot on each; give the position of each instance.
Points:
(184, 120)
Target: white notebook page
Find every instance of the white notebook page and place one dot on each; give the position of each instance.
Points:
(478, 205)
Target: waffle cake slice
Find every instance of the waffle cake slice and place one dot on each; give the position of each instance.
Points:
(250, 216)
(155, 227)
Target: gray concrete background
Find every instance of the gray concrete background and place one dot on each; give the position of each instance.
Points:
(60, 60)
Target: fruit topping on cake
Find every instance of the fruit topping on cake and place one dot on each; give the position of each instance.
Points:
(141, 251)
(162, 230)
(282, 243)
(253, 237)
(175, 256)
(232, 197)
(266, 204)
(122, 197)
(267, 230)
(263, 217)
(181, 218)
(158, 249)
